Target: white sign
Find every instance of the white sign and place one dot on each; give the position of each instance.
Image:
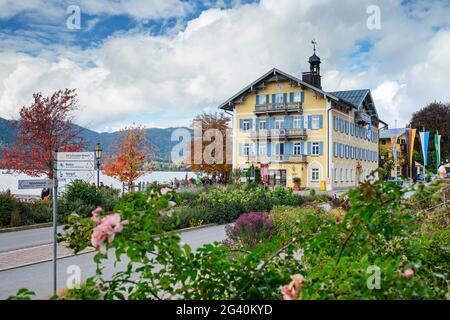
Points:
(35, 184)
(76, 175)
(76, 165)
(75, 156)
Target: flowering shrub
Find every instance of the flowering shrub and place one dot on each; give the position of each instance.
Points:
(250, 229)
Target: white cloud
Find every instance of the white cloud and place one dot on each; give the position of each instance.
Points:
(138, 76)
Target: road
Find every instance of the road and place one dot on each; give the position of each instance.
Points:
(38, 278)
(26, 238)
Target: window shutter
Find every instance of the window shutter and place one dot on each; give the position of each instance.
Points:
(334, 123)
(291, 97)
(309, 122)
(288, 122)
(284, 97)
(309, 152)
(268, 148)
(334, 149)
(302, 122)
(267, 98)
(257, 99)
(257, 124)
(250, 124)
(288, 148)
(273, 98)
(241, 124)
(302, 147)
(241, 149)
(320, 121)
(302, 96)
(320, 148)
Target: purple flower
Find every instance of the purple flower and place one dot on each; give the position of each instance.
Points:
(251, 228)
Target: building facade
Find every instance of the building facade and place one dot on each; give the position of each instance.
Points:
(296, 129)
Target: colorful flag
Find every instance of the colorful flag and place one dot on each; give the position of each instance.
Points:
(437, 146)
(411, 134)
(424, 138)
(394, 147)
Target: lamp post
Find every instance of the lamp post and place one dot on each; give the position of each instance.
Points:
(98, 156)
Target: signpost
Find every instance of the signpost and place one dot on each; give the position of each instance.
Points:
(68, 166)
(35, 184)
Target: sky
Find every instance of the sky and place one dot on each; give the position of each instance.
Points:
(160, 62)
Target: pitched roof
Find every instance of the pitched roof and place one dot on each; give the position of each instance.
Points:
(354, 97)
(388, 133)
(228, 104)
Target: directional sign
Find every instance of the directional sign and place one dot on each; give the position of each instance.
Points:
(75, 156)
(35, 184)
(76, 165)
(76, 175)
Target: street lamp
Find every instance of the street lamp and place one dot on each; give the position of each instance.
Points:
(98, 156)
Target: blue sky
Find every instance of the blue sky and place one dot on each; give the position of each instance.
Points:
(161, 62)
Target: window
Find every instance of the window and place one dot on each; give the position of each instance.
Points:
(346, 175)
(351, 175)
(262, 149)
(297, 148)
(297, 97)
(279, 123)
(315, 122)
(335, 175)
(263, 99)
(246, 149)
(262, 124)
(315, 149)
(246, 125)
(279, 98)
(341, 174)
(279, 148)
(315, 174)
(297, 122)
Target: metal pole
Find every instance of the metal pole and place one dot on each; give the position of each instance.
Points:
(98, 173)
(55, 226)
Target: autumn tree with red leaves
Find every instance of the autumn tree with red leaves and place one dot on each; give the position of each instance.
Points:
(43, 127)
(131, 151)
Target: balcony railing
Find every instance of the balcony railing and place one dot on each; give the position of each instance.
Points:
(283, 158)
(278, 107)
(299, 133)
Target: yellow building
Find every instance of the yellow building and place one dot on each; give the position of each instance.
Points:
(291, 125)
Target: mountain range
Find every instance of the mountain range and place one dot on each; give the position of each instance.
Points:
(159, 139)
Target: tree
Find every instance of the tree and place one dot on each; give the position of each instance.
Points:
(127, 164)
(208, 149)
(434, 117)
(45, 126)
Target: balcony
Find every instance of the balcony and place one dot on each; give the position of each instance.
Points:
(278, 107)
(280, 158)
(291, 133)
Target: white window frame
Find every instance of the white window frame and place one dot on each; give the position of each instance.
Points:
(262, 149)
(315, 122)
(315, 171)
(263, 99)
(297, 148)
(335, 175)
(297, 97)
(278, 148)
(260, 125)
(246, 125)
(315, 146)
(279, 98)
(277, 123)
(297, 122)
(246, 149)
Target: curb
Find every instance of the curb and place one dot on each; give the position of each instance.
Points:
(91, 250)
(22, 228)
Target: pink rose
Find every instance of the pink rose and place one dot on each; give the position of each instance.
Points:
(408, 273)
(108, 227)
(172, 204)
(293, 290)
(164, 191)
(96, 215)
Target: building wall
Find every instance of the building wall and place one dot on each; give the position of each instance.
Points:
(312, 105)
(386, 144)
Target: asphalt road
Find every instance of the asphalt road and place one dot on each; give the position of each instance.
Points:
(39, 277)
(27, 238)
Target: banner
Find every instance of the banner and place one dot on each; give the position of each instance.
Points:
(411, 133)
(437, 146)
(394, 147)
(424, 138)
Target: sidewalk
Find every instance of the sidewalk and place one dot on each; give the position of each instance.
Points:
(28, 256)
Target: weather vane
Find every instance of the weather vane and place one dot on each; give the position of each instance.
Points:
(313, 41)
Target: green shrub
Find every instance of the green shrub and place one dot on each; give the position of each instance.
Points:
(8, 208)
(192, 216)
(38, 211)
